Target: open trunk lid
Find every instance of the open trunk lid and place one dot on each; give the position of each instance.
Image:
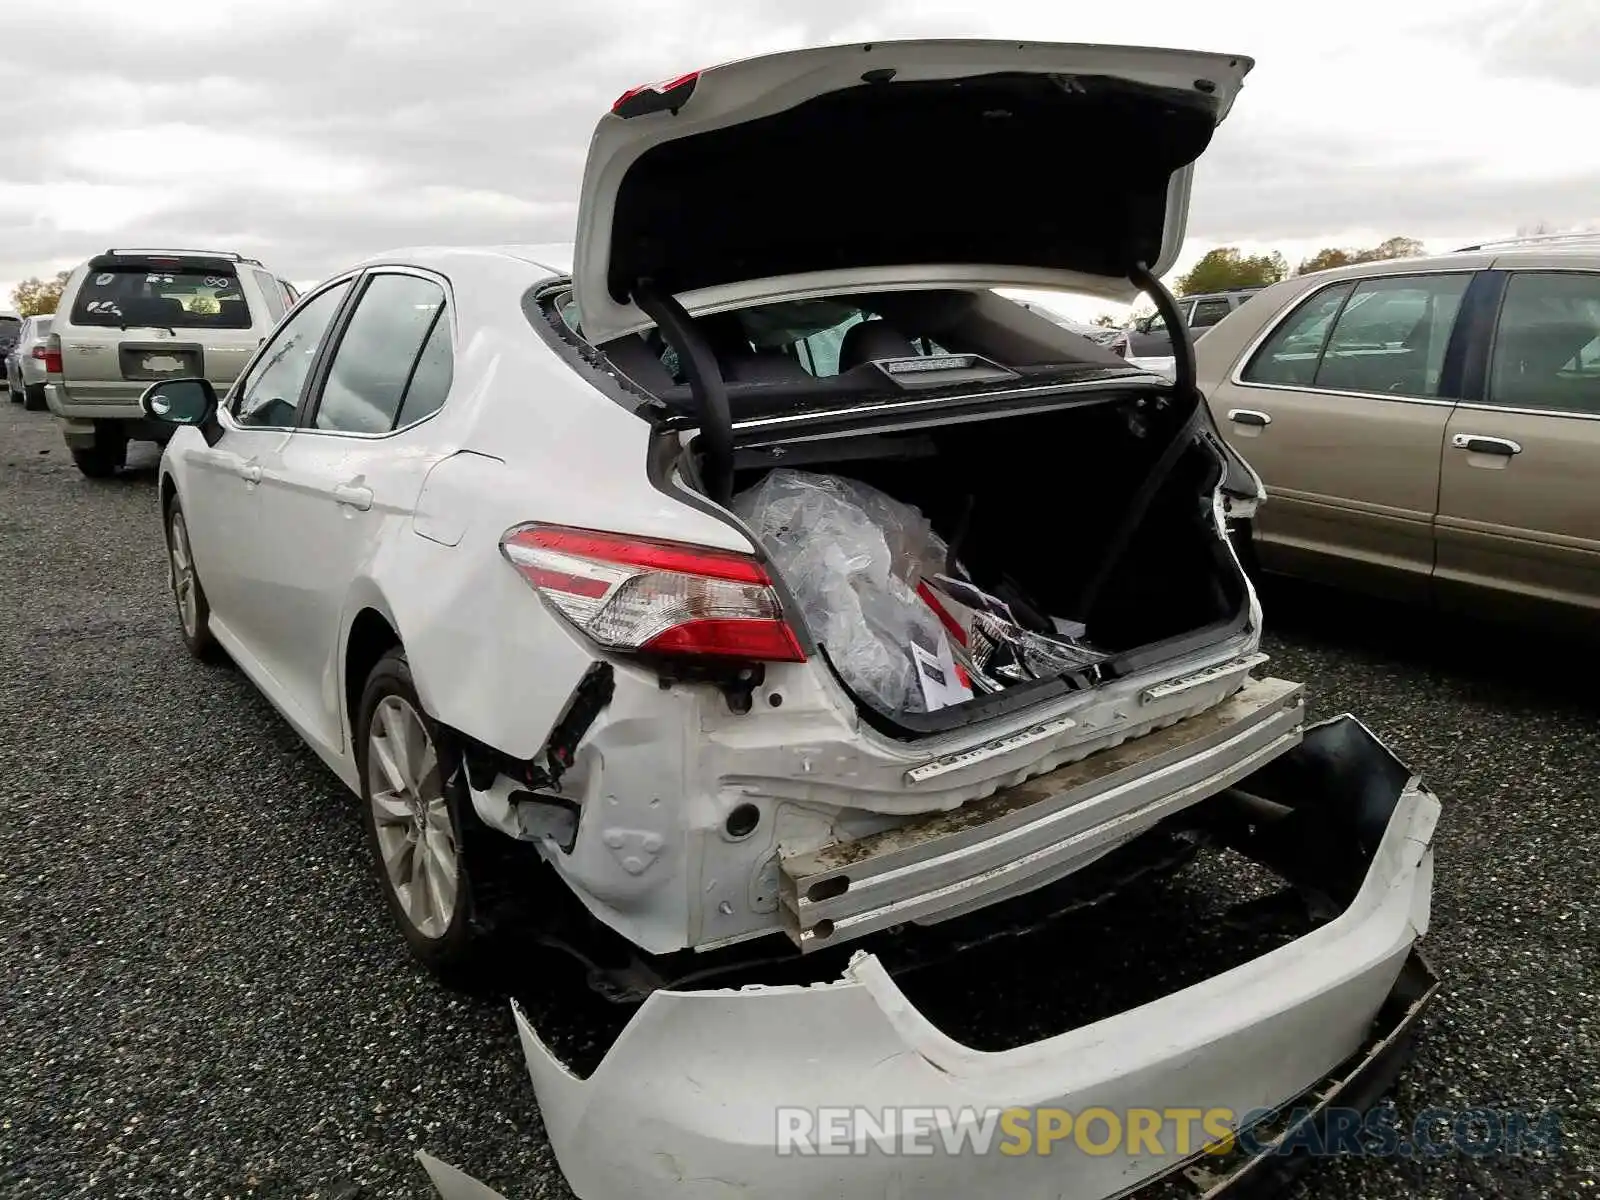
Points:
(894, 164)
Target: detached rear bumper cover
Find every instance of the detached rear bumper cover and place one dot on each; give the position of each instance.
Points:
(686, 1102)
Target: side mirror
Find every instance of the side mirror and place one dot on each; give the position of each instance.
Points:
(180, 401)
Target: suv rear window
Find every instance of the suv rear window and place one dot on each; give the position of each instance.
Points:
(161, 296)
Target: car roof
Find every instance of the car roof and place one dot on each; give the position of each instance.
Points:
(1578, 254)
(554, 258)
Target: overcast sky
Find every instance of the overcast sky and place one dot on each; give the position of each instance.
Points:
(314, 132)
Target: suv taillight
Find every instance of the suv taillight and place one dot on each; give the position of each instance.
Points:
(52, 355)
(653, 597)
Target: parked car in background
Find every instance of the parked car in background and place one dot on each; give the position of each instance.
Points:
(1112, 338)
(127, 317)
(25, 375)
(1427, 428)
(1151, 339)
(10, 329)
(569, 551)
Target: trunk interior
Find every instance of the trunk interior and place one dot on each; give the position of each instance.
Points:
(1039, 508)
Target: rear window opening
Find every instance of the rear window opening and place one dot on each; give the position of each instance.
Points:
(161, 295)
(795, 355)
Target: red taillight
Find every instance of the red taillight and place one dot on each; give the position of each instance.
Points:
(39, 352)
(52, 360)
(656, 97)
(637, 594)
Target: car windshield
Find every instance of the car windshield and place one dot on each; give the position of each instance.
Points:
(161, 297)
(9, 327)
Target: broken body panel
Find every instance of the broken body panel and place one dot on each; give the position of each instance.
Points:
(1338, 816)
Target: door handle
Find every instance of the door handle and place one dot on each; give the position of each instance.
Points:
(1477, 443)
(250, 473)
(352, 496)
(1248, 416)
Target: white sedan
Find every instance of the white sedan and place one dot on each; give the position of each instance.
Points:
(776, 586)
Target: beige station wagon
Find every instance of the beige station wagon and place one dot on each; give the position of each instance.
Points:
(1427, 429)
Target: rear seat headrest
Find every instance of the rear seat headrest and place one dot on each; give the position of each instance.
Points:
(873, 340)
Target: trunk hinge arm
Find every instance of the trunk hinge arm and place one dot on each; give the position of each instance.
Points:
(1182, 344)
(705, 384)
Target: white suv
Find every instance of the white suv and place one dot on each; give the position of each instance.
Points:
(131, 317)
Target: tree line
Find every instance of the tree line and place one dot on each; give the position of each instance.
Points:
(38, 297)
(1226, 267)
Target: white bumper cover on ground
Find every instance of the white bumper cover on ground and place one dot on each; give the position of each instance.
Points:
(686, 1103)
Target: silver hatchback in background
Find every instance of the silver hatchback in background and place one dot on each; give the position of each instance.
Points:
(25, 363)
(130, 318)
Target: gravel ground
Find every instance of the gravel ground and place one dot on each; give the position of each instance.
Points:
(202, 997)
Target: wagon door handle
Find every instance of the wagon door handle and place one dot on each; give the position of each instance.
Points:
(353, 496)
(1249, 416)
(250, 473)
(1477, 443)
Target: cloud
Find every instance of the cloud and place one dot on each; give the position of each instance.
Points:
(1546, 40)
(316, 132)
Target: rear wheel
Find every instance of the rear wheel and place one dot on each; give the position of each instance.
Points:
(32, 397)
(105, 457)
(423, 837)
(194, 613)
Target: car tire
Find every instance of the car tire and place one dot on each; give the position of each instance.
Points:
(427, 844)
(32, 397)
(194, 611)
(103, 459)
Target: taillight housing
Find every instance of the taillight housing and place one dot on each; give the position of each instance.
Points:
(643, 596)
(39, 352)
(52, 355)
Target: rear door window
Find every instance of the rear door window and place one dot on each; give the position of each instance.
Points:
(1208, 312)
(1391, 336)
(1384, 336)
(1289, 357)
(377, 359)
(1546, 352)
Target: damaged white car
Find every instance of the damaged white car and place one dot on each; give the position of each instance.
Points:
(791, 597)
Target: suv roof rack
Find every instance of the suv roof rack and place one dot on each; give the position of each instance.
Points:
(1536, 239)
(228, 255)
